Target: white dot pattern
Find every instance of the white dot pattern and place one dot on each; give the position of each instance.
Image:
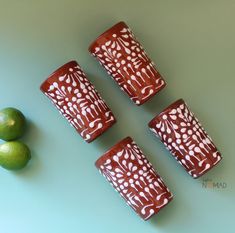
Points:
(78, 101)
(132, 175)
(185, 138)
(127, 62)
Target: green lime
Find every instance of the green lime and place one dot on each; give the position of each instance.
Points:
(12, 124)
(14, 155)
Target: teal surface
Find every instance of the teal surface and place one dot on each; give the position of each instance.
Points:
(193, 45)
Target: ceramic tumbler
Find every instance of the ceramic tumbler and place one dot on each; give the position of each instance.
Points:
(132, 175)
(78, 101)
(183, 135)
(123, 57)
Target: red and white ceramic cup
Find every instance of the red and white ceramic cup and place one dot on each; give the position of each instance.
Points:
(119, 52)
(132, 175)
(185, 138)
(78, 101)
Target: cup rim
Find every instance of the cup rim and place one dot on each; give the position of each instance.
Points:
(57, 72)
(166, 110)
(104, 129)
(100, 37)
(107, 154)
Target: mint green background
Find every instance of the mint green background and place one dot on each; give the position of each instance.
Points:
(193, 45)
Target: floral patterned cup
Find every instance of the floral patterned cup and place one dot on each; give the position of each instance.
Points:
(132, 175)
(125, 60)
(78, 101)
(185, 138)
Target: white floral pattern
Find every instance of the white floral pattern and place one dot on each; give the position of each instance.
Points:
(132, 175)
(127, 62)
(185, 138)
(78, 101)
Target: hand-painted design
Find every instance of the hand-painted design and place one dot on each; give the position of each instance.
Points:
(185, 138)
(132, 175)
(78, 101)
(126, 61)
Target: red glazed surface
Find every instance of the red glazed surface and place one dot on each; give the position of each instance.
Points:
(132, 175)
(78, 101)
(185, 138)
(125, 60)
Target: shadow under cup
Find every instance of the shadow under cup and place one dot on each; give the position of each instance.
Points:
(123, 57)
(183, 135)
(132, 175)
(78, 101)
